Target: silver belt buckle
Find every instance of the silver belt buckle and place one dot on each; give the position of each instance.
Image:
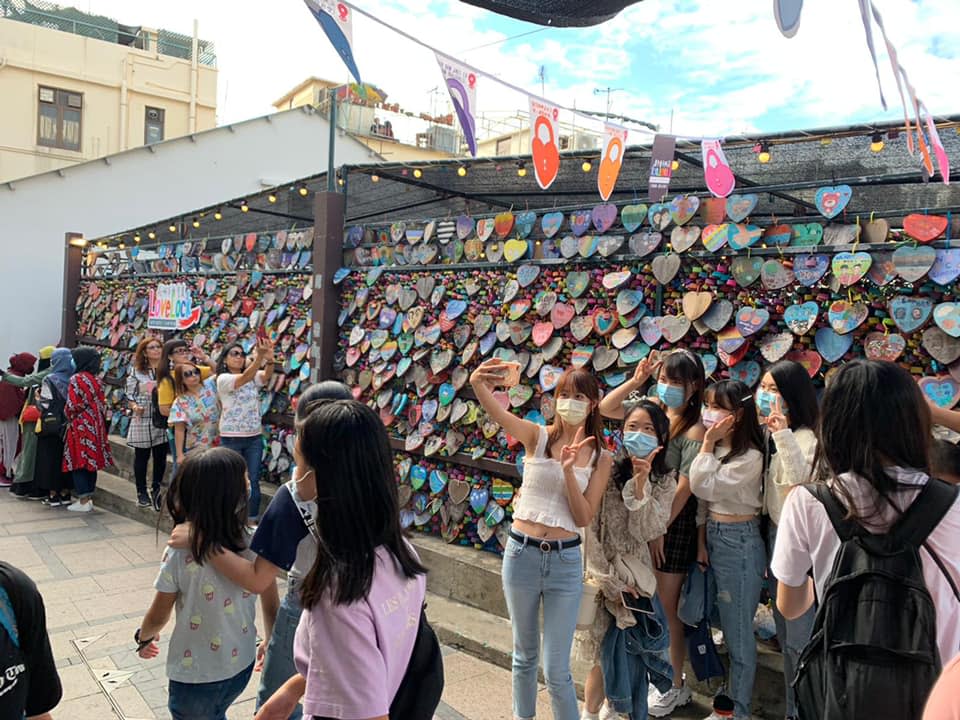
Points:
(545, 546)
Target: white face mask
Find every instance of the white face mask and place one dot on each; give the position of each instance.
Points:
(573, 412)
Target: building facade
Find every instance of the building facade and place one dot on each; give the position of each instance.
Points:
(77, 87)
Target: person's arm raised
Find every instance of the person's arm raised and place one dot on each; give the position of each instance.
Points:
(611, 406)
(483, 380)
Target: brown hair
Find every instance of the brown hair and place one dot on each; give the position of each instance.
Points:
(580, 380)
(140, 362)
(179, 386)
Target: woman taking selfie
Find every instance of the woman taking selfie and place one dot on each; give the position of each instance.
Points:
(565, 474)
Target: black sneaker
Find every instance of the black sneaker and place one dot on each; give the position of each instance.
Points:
(157, 499)
(142, 500)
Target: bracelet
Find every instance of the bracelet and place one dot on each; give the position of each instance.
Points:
(141, 644)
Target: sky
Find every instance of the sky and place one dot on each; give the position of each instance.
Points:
(693, 67)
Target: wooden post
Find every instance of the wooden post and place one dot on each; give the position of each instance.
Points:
(72, 264)
(328, 213)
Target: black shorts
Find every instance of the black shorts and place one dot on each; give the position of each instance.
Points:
(680, 542)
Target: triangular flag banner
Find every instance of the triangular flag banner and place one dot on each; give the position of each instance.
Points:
(462, 86)
(716, 170)
(661, 166)
(336, 19)
(543, 141)
(614, 144)
(943, 161)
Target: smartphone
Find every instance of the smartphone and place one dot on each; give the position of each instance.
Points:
(637, 604)
(510, 372)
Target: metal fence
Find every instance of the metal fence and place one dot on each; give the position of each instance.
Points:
(99, 27)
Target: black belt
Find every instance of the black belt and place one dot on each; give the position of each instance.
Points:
(546, 545)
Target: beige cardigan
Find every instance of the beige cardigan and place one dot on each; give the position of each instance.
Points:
(792, 465)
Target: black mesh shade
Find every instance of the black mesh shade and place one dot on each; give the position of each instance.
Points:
(556, 13)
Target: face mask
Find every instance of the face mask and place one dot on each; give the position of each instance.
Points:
(711, 417)
(672, 396)
(573, 412)
(640, 444)
(766, 400)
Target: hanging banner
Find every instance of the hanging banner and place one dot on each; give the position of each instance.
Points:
(462, 86)
(716, 170)
(336, 19)
(943, 161)
(661, 166)
(615, 142)
(543, 142)
(171, 307)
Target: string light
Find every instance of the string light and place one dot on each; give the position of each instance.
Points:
(136, 237)
(521, 170)
(675, 165)
(374, 178)
(243, 206)
(417, 173)
(340, 182)
(763, 155)
(218, 215)
(271, 198)
(586, 166)
(876, 142)
(172, 228)
(152, 235)
(121, 245)
(304, 191)
(462, 171)
(196, 222)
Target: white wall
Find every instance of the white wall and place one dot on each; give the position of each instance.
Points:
(138, 187)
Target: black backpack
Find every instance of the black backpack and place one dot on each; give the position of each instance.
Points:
(158, 419)
(873, 653)
(419, 693)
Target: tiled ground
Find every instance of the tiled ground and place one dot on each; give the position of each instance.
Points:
(96, 574)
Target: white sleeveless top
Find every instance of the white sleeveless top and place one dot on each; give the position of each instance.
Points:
(543, 498)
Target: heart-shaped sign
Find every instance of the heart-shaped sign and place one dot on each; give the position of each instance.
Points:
(588, 245)
(943, 391)
(913, 262)
(751, 320)
(747, 372)
(650, 330)
(569, 246)
(850, 267)
(515, 249)
(775, 346)
(642, 244)
(746, 269)
(775, 275)
(623, 337)
(484, 228)
(882, 270)
(876, 231)
(659, 216)
(910, 313)
(494, 252)
(683, 238)
(580, 222)
(695, 304)
(603, 216)
(524, 223)
(845, 316)
(942, 347)
(604, 322)
(947, 317)
(581, 326)
(550, 223)
(739, 207)
(628, 301)
(673, 327)
(715, 237)
(665, 267)
(526, 274)
(604, 357)
(718, 315)
(634, 353)
(561, 314)
(801, 318)
(777, 235)
(808, 269)
(831, 345)
(613, 280)
(607, 245)
(683, 208)
(924, 228)
(883, 346)
(810, 359)
(805, 234)
(743, 236)
(946, 268)
(503, 224)
(632, 216)
(577, 283)
(832, 200)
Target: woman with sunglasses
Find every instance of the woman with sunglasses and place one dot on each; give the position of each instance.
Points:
(241, 429)
(195, 412)
(146, 439)
(175, 352)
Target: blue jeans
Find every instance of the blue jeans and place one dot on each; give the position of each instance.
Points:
(739, 562)
(555, 577)
(206, 701)
(84, 482)
(251, 447)
(792, 634)
(278, 665)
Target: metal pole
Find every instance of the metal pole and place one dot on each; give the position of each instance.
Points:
(331, 179)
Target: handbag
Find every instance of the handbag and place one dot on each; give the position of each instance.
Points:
(420, 689)
(30, 415)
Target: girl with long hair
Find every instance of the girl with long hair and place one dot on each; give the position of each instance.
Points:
(49, 474)
(147, 440)
(679, 388)
(727, 474)
(362, 599)
(283, 540)
(873, 455)
(787, 404)
(176, 351)
(213, 643)
(86, 446)
(195, 412)
(634, 510)
(565, 475)
(239, 380)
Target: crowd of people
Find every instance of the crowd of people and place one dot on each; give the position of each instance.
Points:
(715, 487)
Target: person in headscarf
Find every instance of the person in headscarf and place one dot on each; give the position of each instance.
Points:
(11, 403)
(24, 487)
(48, 469)
(86, 448)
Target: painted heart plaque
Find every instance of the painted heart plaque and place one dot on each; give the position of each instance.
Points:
(632, 216)
(739, 207)
(609, 244)
(947, 317)
(510, 290)
(673, 327)
(740, 236)
(581, 326)
(747, 372)
(876, 231)
(913, 262)
(845, 316)
(775, 346)
(715, 237)
(515, 249)
(659, 216)
(910, 313)
(808, 269)
(484, 228)
(524, 223)
(924, 228)
(777, 235)
(579, 222)
(650, 330)
(588, 245)
(807, 234)
(751, 320)
(831, 201)
(882, 270)
(577, 283)
(810, 359)
(942, 347)
(746, 270)
(683, 238)
(665, 267)
(561, 314)
(849, 267)
(695, 304)
(503, 224)
(775, 275)
(831, 345)
(718, 315)
(943, 391)
(613, 280)
(946, 268)
(802, 317)
(883, 346)
(683, 208)
(604, 357)
(628, 301)
(550, 223)
(642, 244)
(603, 216)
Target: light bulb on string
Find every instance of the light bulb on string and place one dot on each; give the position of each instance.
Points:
(522, 170)
(218, 214)
(304, 191)
(375, 178)
(417, 173)
(674, 165)
(136, 237)
(876, 142)
(196, 223)
(152, 235)
(271, 198)
(586, 166)
(121, 245)
(763, 156)
(172, 228)
(462, 171)
(243, 206)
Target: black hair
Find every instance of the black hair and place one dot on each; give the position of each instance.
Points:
(623, 468)
(324, 390)
(165, 370)
(210, 491)
(798, 393)
(358, 510)
(873, 416)
(222, 357)
(684, 366)
(944, 458)
(735, 396)
(86, 359)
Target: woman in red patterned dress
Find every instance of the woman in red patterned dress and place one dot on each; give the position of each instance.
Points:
(86, 449)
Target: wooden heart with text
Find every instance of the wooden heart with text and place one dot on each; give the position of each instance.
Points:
(886, 347)
(683, 238)
(924, 228)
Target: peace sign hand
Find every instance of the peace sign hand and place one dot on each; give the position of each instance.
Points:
(646, 368)
(568, 453)
(776, 420)
(642, 466)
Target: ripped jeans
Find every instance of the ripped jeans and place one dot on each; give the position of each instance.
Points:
(738, 559)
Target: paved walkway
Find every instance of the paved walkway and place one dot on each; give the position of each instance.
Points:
(96, 574)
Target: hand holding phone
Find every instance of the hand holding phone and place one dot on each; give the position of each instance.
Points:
(510, 372)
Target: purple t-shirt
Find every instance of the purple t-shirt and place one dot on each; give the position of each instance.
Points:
(354, 656)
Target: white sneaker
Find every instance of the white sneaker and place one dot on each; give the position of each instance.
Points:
(608, 713)
(81, 507)
(669, 701)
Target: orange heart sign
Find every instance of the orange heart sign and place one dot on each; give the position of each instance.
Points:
(543, 142)
(612, 159)
(924, 228)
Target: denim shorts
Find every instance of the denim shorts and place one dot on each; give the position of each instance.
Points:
(206, 701)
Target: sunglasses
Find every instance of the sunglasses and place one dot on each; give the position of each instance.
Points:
(180, 351)
(191, 373)
(235, 353)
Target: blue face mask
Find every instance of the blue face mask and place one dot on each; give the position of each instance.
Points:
(766, 401)
(640, 444)
(672, 396)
